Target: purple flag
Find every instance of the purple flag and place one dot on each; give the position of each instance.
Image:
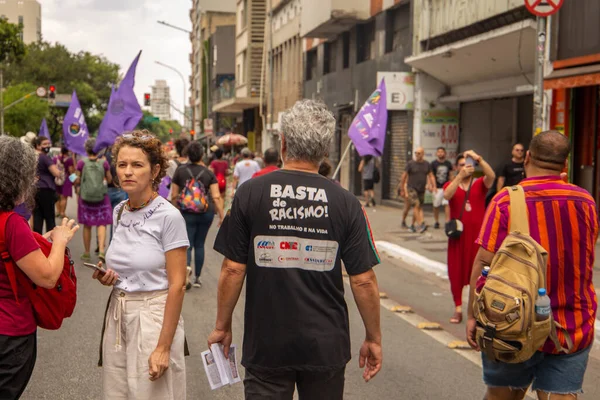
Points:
(367, 131)
(75, 131)
(124, 111)
(44, 130)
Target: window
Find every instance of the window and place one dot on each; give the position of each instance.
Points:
(244, 15)
(365, 42)
(311, 64)
(329, 61)
(396, 28)
(346, 49)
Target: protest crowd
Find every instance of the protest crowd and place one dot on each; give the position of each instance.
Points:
(289, 232)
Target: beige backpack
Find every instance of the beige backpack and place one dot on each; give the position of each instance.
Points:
(507, 329)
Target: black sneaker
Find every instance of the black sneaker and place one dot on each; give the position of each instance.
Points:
(404, 226)
(373, 202)
(412, 229)
(437, 225)
(423, 228)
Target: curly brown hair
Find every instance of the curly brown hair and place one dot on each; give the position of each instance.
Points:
(18, 166)
(150, 145)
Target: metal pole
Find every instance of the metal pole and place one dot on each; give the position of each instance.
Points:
(337, 170)
(271, 65)
(207, 61)
(538, 90)
(1, 100)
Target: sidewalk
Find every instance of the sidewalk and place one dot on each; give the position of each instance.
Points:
(433, 244)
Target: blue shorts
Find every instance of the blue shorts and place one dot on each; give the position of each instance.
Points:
(550, 373)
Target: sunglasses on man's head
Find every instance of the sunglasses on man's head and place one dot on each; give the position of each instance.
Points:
(132, 136)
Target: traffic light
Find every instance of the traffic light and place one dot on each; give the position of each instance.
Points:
(192, 132)
(171, 131)
(147, 99)
(52, 92)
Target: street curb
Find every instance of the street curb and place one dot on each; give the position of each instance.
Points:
(413, 258)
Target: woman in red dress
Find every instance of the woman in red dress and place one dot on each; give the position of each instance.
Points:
(462, 250)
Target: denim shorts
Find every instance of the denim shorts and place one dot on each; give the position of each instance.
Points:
(550, 373)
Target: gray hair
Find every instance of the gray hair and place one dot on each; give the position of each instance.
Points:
(308, 129)
(89, 146)
(18, 167)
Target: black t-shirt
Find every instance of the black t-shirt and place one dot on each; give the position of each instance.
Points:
(417, 174)
(441, 171)
(292, 230)
(513, 173)
(184, 173)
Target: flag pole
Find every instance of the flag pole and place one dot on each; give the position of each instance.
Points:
(337, 170)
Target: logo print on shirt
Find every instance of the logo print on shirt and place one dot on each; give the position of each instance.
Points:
(266, 244)
(265, 258)
(288, 245)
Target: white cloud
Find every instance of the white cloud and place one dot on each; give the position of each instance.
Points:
(118, 29)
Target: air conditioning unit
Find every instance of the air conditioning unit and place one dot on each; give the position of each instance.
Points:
(319, 85)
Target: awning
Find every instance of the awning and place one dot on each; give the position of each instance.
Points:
(565, 78)
(236, 104)
(500, 53)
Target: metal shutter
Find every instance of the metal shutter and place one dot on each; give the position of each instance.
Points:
(396, 153)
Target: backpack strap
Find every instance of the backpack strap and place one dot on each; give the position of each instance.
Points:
(554, 337)
(6, 258)
(519, 217)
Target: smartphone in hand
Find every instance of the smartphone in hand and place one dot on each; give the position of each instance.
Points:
(99, 269)
(470, 161)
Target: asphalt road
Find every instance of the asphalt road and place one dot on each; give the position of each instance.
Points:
(416, 366)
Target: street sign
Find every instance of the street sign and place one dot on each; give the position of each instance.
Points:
(400, 88)
(543, 8)
(208, 126)
(41, 91)
(150, 119)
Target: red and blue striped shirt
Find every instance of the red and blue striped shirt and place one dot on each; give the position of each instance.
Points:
(563, 219)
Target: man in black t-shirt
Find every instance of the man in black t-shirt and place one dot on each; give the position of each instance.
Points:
(441, 169)
(513, 172)
(287, 234)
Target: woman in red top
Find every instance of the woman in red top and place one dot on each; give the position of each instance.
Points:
(462, 250)
(220, 168)
(18, 163)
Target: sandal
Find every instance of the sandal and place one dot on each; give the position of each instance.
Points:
(102, 258)
(86, 257)
(456, 318)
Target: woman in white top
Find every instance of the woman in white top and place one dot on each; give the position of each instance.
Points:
(142, 351)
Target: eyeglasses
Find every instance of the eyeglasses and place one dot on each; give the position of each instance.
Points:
(461, 165)
(521, 150)
(132, 136)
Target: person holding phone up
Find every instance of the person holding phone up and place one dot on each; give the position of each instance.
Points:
(142, 348)
(466, 197)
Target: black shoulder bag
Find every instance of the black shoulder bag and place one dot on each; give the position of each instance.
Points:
(454, 227)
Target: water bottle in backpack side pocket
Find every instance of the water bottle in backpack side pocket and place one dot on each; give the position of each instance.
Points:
(543, 308)
(482, 278)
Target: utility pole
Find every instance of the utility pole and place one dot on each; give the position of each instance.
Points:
(271, 65)
(538, 89)
(1, 100)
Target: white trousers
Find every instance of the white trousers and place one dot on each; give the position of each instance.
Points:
(132, 328)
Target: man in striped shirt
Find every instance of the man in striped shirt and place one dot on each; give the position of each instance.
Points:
(563, 219)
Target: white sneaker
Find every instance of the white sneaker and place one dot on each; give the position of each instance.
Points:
(197, 283)
(188, 278)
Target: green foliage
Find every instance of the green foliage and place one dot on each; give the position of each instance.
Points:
(91, 75)
(12, 48)
(161, 129)
(26, 116)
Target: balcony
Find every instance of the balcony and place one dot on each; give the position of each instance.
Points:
(329, 18)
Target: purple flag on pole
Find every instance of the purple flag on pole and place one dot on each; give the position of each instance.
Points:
(124, 111)
(44, 130)
(367, 131)
(75, 131)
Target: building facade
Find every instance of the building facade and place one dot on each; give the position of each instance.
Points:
(161, 100)
(573, 87)
(27, 13)
(475, 62)
(285, 78)
(349, 47)
(206, 16)
(246, 106)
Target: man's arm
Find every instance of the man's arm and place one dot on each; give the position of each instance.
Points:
(366, 294)
(431, 182)
(402, 185)
(230, 286)
(488, 171)
(500, 183)
(483, 258)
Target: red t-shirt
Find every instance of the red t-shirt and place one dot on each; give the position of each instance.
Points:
(219, 167)
(16, 319)
(265, 171)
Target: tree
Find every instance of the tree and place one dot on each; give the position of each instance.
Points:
(160, 128)
(92, 76)
(12, 48)
(27, 115)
